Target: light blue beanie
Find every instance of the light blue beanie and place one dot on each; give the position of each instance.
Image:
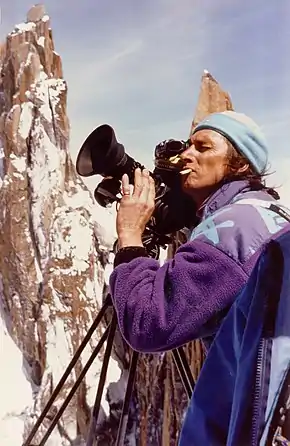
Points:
(243, 133)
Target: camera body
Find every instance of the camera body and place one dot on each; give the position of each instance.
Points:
(101, 154)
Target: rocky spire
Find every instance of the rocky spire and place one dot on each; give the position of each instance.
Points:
(53, 251)
(212, 98)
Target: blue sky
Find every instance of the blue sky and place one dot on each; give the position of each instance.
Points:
(137, 66)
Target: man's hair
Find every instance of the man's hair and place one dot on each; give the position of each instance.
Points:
(256, 180)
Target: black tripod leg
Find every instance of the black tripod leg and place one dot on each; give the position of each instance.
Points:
(184, 370)
(68, 370)
(126, 405)
(75, 387)
(96, 409)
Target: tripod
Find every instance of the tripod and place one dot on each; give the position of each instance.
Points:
(109, 335)
(178, 355)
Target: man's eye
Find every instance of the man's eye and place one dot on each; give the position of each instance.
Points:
(204, 147)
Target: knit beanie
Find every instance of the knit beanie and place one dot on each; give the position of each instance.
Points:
(243, 133)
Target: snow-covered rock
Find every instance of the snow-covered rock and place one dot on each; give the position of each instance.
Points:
(54, 251)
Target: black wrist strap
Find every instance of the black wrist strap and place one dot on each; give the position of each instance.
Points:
(125, 255)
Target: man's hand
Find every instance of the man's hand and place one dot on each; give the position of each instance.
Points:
(135, 208)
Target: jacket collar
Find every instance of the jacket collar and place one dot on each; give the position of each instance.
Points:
(222, 197)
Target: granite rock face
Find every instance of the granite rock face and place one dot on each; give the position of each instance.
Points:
(53, 251)
(55, 261)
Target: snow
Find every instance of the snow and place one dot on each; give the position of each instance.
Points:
(40, 91)
(14, 405)
(22, 27)
(105, 219)
(109, 268)
(39, 275)
(46, 91)
(46, 160)
(19, 176)
(25, 119)
(58, 348)
(47, 94)
(58, 85)
(19, 162)
(117, 390)
(28, 61)
(92, 379)
(68, 246)
(42, 77)
(41, 41)
(55, 89)
(59, 354)
(45, 18)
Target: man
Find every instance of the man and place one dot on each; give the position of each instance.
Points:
(163, 307)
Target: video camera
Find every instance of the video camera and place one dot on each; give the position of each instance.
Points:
(101, 154)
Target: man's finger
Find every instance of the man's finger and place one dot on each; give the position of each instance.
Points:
(145, 190)
(151, 192)
(125, 185)
(138, 183)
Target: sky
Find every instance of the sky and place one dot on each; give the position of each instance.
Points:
(137, 66)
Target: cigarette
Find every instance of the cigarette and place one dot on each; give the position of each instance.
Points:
(183, 172)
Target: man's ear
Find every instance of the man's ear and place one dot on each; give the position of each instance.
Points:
(244, 168)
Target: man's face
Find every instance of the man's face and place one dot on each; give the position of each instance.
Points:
(207, 157)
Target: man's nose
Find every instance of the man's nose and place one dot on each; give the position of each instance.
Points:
(188, 153)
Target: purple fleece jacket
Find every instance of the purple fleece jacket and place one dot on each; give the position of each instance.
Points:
(163, 307)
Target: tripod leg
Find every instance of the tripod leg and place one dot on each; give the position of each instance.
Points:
(95, 412)
(75, 387)
(126, 404)
(184, 370)
(68, 371)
